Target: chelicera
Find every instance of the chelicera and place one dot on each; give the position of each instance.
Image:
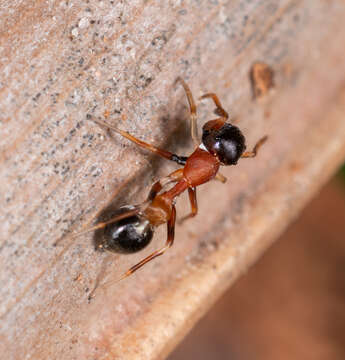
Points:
(222, 144)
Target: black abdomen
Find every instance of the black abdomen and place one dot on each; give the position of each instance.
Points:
(128, 235)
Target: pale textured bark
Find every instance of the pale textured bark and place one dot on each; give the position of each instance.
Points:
(65, 62)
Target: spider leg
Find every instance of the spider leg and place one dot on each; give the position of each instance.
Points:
(181, 160)
(158, 185)
(250, 154)
(221, 178)
(192, 109)
(219, 109)
(193, 203)
(103, 224)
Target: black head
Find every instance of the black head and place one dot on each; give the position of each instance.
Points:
(223, 140)
(128, 235)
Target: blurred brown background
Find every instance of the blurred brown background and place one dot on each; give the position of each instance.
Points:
(291, 304)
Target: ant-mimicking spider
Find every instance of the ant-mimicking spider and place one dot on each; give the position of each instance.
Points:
(132, 228)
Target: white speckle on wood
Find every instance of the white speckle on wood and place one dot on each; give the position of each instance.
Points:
(83, 23)
(75, 32)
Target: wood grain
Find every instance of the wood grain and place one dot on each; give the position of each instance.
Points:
(66, 62)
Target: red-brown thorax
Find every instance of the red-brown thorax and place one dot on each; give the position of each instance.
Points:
(200, 168)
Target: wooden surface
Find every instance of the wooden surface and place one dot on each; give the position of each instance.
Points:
(65, 62)
(290, 304)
